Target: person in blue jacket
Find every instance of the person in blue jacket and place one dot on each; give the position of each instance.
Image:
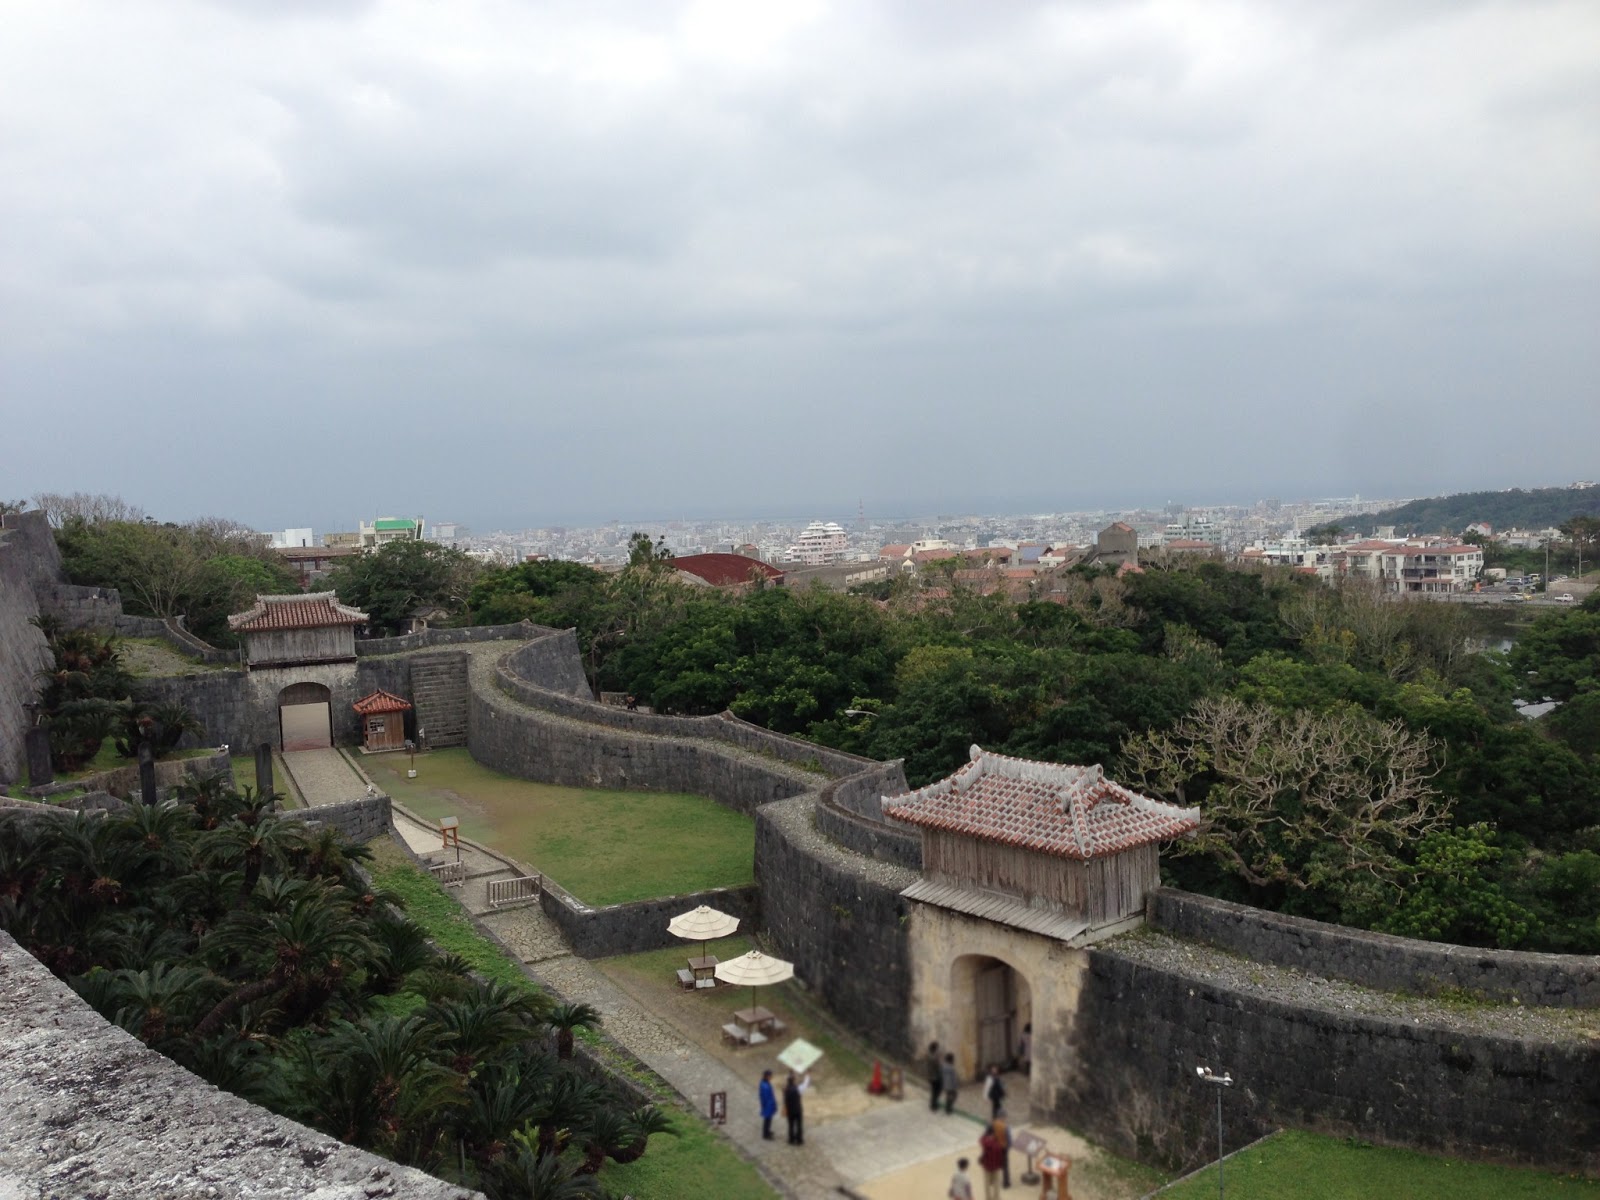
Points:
(769, 1104)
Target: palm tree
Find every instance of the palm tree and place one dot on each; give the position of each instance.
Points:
(329, 855)
(567, 1104)
(303, 954)
(532, 1173)
(253, 846)
(156, 1003)
(504, 1097)
(564, 1019)
(621, 1137)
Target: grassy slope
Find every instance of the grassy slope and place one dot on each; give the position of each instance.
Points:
(686, 1164)
(604, 847)
(1309, 1167)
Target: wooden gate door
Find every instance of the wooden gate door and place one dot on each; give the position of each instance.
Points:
(305, 717)
(996, 1014)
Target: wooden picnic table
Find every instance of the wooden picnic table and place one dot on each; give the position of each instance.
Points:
(704, 970)
(757, 1020)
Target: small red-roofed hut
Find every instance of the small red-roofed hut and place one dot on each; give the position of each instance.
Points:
(383, 721)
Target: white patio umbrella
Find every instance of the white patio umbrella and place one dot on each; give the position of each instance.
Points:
(702, 924)
(754, 970)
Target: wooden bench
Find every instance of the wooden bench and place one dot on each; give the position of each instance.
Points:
(686, 979)
(735, 1034)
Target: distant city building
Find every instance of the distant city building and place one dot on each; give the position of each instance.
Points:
(283, 539)
(1195, 527)
(820, 543)
(390, 529)
(342, 541)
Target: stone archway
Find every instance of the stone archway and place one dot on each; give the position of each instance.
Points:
(305, 717)
(991, 1001)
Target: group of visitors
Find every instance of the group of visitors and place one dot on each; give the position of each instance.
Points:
(793, 1105)
(994, 1159)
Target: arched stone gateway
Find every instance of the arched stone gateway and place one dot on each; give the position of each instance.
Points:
(305, 717)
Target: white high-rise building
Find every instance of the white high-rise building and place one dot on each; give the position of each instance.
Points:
(820, 543)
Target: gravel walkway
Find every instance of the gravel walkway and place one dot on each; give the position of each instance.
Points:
(1208, 965)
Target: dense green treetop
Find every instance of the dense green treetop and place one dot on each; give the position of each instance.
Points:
(400, 577)
(1535, 508)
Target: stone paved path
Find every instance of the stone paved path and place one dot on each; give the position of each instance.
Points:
(323, 776)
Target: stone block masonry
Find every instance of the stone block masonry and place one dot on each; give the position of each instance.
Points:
(1380, 960)
(439, 692)
(1141, 1030)
(91, 1111)
(29, 563)
(641, 925)
(359, 820)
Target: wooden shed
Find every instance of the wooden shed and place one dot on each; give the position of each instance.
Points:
(383, 721)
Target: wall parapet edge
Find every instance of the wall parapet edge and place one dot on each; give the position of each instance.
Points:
(1379, 960)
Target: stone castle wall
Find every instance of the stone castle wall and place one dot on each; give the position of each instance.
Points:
(1380, 960)
(29, 564)
(1140, 1031)
(92, 1111)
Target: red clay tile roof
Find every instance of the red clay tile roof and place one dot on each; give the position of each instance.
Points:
(893, 551)
(380, 702)
(311, 611)
(724, 570)
(1051, 808)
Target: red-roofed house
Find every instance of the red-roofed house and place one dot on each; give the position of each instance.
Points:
(732, 571)
(1024, 864)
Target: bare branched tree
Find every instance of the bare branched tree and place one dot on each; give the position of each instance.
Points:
(93, 507)
(1301, 799)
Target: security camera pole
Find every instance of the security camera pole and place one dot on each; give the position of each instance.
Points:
(1220, 1081)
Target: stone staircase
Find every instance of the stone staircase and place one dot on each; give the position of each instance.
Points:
(439, 691)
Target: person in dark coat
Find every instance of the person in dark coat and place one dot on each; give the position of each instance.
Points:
(994, 1090)
(793, 1108)
(932, 1072)
(769, 1104)
(950, 1080)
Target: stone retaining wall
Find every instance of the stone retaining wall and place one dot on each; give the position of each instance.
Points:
(551, 659)
(123, 782)
(1379, 960)
(359, 820)
(1141, 1031)
(29, 562)
(641, 925)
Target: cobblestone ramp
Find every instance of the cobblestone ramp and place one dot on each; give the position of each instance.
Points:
(323, 777)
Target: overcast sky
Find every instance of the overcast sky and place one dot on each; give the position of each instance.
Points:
(306, 261)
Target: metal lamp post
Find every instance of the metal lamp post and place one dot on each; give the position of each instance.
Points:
(1220, 1081)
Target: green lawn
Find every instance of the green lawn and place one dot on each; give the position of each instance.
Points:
(1310, 1167)
(689, 1163)
(604, 847)
(686, 1164)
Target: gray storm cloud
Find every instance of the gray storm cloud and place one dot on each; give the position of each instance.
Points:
(524, 262)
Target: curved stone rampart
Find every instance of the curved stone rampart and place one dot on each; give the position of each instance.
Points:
(1380, 960)
(428, 639)
(1140, 1031)
(91, 1111)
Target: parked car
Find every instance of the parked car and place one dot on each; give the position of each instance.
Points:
(1516, 596)
(1565, 598)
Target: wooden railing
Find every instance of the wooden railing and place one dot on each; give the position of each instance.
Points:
(450, 874)
(521, 890)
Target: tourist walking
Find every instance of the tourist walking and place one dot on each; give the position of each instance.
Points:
(933, 1074)
(769, 1104)
(994, 1090)
(1025, 1049)
(793, 1108)
(960, 1183)
(1002, 1133)
(991, 1157)
(950, 1081)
